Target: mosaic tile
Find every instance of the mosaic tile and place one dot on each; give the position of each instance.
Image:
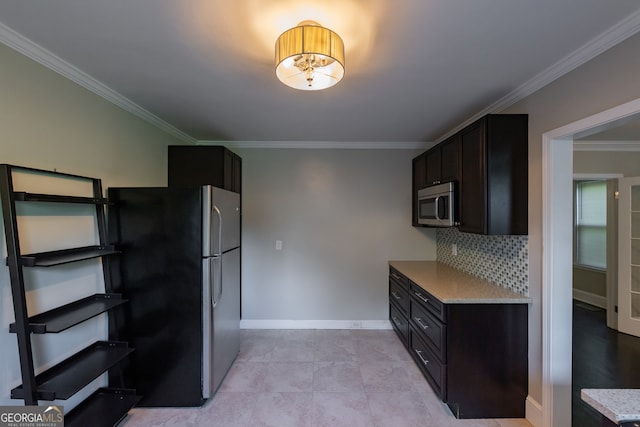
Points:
(503, 260)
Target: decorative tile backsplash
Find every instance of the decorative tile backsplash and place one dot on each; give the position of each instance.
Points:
(503, 260)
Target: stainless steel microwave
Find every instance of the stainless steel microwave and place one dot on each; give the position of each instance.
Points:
(436, 205)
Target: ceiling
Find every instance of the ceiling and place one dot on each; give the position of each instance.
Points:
(415, 69)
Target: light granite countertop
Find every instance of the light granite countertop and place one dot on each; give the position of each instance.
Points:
(452, 286)
(616, 404)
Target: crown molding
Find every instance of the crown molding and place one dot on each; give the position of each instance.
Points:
(44, 57)
(344, 145)
(583, 145)
(609, 38)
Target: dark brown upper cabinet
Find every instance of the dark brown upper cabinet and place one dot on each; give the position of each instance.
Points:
(190, 165)
(418, 182)
(442, 162)
(494, 175)
(434, 166)
(450, 159)
(488, 160)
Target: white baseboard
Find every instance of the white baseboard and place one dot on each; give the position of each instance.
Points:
(589, 298)
(533, 411)
(314, 324)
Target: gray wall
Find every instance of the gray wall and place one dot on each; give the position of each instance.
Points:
(49, 122)
(606, 81)
(341, 215)
(591, 281)
(626, 163)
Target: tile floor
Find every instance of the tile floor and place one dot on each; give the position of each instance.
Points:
(318, 378)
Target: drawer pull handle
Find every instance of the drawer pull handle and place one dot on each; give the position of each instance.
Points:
(397, 321)
(421, 323)
(396, 296)
(419, 353)
(395, 276)
(419, 295)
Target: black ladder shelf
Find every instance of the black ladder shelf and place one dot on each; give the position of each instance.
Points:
(106, 406)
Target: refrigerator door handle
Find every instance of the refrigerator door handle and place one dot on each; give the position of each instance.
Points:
(217, 250)
(207, 327)
(216, 281)
(219, 280)
(214, 301)
(206, 221)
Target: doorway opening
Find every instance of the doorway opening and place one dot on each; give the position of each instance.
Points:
(557, 230)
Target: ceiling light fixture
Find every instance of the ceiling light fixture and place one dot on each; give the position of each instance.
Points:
(309, 57)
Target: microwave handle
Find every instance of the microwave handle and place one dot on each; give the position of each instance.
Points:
(437, 200)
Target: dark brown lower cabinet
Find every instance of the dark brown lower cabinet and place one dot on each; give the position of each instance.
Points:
(474, 356)
(433, 369)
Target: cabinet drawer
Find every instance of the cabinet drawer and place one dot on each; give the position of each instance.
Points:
(399, 278)
(434, 371)
(428, 301)
(433, 330)
(399, 323)
(399, 296)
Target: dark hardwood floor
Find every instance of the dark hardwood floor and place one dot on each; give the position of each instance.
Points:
(602, 358)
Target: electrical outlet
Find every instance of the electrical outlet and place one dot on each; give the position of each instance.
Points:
(356, 324)
(454, 249)
(278, 245)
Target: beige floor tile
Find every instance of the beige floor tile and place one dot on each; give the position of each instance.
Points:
(318, 378)
(398, 409)
(289, 377)
(340, 410)
(282, 410)
(337, 377)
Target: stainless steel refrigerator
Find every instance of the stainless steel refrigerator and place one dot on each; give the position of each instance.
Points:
(180, 271)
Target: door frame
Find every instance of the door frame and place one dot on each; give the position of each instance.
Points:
(557, 229)
(612, 252)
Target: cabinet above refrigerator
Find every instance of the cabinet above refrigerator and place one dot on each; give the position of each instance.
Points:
(190, 165)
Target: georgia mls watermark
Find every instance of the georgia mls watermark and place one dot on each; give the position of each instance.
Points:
(31, 416)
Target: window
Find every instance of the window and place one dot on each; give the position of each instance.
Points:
(590, 224)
